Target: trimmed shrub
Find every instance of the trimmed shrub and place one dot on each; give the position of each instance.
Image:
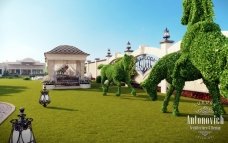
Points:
(206, 48)
(118, 72)
(27, 78)
(98, 79)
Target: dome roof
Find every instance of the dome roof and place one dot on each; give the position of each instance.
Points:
(66, 49)
(28, 60)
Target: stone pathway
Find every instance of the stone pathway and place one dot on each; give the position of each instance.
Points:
(5, 110)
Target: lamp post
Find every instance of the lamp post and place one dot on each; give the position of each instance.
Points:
(44, 97)
(22, 129)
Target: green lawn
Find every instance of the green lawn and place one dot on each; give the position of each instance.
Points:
(81, 116)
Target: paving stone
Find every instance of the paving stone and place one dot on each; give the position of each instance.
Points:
(5, 110)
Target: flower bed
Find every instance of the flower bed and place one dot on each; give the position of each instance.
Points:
(202, 96)
(50, 86)
(66, 82)
(85, 85)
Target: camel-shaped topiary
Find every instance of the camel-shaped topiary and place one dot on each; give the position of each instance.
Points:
(163, 69)
(118, 72)
(206, 48)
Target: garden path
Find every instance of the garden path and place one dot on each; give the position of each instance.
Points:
(5, 110)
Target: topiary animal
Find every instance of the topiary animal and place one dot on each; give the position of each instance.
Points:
(118, 72)
(163, 69)
(206, 48)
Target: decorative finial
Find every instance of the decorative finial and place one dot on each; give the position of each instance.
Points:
(128, 48)
(109, 53)
(166, 37)
(166, 34)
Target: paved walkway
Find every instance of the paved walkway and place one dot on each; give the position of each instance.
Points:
(5, 110)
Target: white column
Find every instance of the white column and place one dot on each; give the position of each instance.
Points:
(75, 67)
(82, 67)
(51, 66)
(164, 47)
(87, 67)
(78, 68)
(164, 86)
(96, 69)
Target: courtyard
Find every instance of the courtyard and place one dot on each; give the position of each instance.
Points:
(85, 116)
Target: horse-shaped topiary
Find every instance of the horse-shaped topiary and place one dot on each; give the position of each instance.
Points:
(118, 72)
(163, 69)
(206, 48)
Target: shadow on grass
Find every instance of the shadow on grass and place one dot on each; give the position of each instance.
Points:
(79, 89)
(160, 98)
(137, 97)
(97, 87)
(189, 100)
(112, 90)
(7, 90)
(61, 108)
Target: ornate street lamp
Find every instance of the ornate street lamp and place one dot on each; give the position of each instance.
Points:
(128, 50)
(44, 97)
(22, 129)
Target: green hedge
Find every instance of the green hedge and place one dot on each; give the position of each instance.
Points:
(98, 79)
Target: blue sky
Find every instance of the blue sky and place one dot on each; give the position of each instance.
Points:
(28, 28)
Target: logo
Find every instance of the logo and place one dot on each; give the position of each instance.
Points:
(145, 62)
(204, 123)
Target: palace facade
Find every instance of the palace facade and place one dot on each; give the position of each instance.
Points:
(27, 66)
(146, 57)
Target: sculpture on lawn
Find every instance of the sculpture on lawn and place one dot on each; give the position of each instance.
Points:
(206, 48)
(163, 69)
(62, 70)
(118, 72)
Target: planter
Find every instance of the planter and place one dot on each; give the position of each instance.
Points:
(85, 85)
(51, 86)
(67, 87)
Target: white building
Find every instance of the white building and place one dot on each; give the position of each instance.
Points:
(148, 56)
(27, 66)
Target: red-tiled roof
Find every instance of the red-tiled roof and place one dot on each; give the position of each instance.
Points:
(66, 49)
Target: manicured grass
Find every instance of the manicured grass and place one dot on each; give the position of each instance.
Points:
(84, 115)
